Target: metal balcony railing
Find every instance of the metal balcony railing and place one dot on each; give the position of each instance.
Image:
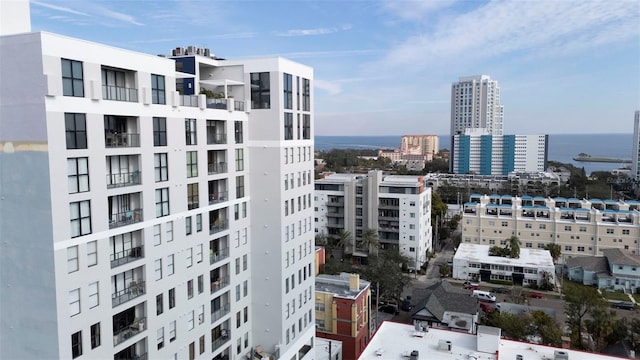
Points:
(216, 138)
(219, 284)
(127, 256)
(125, 218)
(129, 330)
(219, 255)
(217, 104)
(218, 342)
(218, 226)
(217, 197)
(218, 314)
(114, 140)
(119, 93)
(123, 179)
(135, 289)
(217, 168)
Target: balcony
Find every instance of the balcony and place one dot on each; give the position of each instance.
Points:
(215, 256)
(238, 105)
(134, 290)
(125, 218)
(216, 132)
(127, 256)
(137, 351)
(219, 313)
(123, 179)
(217, 104)
(218, 197)
(217, 168)
(220, 335)
(119, 93)
(129, 330)
(218, 225)
(189, 100)
(119, 140)
(219, 284)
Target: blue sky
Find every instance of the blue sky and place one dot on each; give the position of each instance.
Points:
(386, 67)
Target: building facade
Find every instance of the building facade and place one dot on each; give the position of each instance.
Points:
(134, 168)
(579, 227)
(479, 152)
(475, 103)
(427, 145)
(343, 312)
(615, 271)
(397, 207)
(635, 156)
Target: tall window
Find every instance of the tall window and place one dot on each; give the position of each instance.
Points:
(159, 304)
(158, 269)
(298, 92)
(162, 202)
(159, 131)
(74, 302)
(172, 298)
(192, 196)
(239, 159)
(72, 259)
(95, 335)
(306, 126)
(157, 89)
(239, 186)
(80, 218)
(78, 175)
(260, 91)
(306, 95)
(76, 344)
(161, 167)
(288, 126)
(238, 132)
(190, 131)
(76, 130)
(170, 265)
(287, 83)
(92, 253)
(298, 127)
(192, 164)
(72, 79)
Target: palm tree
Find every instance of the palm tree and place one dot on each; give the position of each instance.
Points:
(370, 241)
(345, 241)
(514, 247)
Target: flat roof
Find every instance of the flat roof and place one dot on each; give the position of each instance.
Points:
(480, 253)
(397, 341)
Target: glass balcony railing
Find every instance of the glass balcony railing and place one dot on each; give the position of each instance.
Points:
(189, 100)
(123, 179)
(128, 331)
(218, 226)
(217, 168)
(219, 284)
(218, 342)
(119, 93)
(135, 289)
(213, 139)
(113, 140)
(217, 104)
(125, 218)
(127, 256)
(217, 197)
(219, 313)
(215, 256)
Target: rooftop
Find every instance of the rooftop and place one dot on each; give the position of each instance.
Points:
(338, 285)
(397, 341)
(480, 253)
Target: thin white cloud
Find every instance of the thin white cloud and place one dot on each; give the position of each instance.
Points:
(58, 8)
(325, 54)
(331, 87)
(415, 9)
(312, 32)
(103, 11)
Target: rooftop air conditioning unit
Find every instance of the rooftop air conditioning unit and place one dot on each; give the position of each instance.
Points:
(519, 357)
(414, 355)
(207, 52)
(444, 345)
(178, 51)
(560, 355)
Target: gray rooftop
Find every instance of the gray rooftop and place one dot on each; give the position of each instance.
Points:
(617, 257)
(596, 264)
(443, 296)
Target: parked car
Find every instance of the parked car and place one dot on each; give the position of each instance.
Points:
(486, 307)
(535, 295)
(484, 296)
(501, 290)
(471, 286)
(389, 309)
(624, 305)
(406, 305)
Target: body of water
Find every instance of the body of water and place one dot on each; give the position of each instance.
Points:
(562, 147)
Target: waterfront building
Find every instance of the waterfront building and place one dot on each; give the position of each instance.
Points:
(635, 157)
(343, 312)
(427, 145)
(475, 104)
(122, 172)
(579, 227)
(473, 262)
(398, 207)
(477, 151)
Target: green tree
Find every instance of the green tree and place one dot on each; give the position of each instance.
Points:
(554, 250)
(445, 270)
(437, 165)
(579, 301)
(386, 270)
(321, 239)
(370, 241)
(345, 241)
(438, 208)
(546, 328)
(335, 266)
(600, 324)
(514, 247)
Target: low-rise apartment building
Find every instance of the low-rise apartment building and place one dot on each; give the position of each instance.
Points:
(579, 227)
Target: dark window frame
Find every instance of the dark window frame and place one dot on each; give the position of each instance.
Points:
(74, 81)
(159, 131)
(76, 130)
(158, 89)
(260, 90)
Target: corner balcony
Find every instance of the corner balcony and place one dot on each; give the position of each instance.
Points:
(217, 168)
(119, 93)
(217, 104)
(119, 140)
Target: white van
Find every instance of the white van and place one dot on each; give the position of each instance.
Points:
(484, 295)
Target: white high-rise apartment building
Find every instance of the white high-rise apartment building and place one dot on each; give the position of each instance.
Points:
(635, 162)
(475, 103)
(143, 220)
(398, 207)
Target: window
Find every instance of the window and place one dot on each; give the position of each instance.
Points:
(237, 266)
(260, 91)
(245, 262)
(200, 284)
(239, 186)
(158, 269)
(76, 130)
(288, 126)
(239, 159)
(159, 304)
(192, 196)
(162, 202)
(72, 259)
(190, 131)
(238, 132)
(192, 351)
(169, 228)
(94, 297)
(172, 331)
(610, 231)
(80, 218)
(189, 257)
(161, 167)
(159, 131)
(190, 322)
(170, 265)
(187, 225)
(201, 344)
(157, 89)
(306, 126)
(236, 211)
(160, 336)
(246, 314)
(78, 173)
(567, 228)
(287, 84)
(95, 335)
(245, 288)
(198, 222)
(72, 78)
(74, 302)
(189, 289)
(92, 253)
(172, 298)
(625, 231)
(306, 95)
(192, 164)
(76, 344)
